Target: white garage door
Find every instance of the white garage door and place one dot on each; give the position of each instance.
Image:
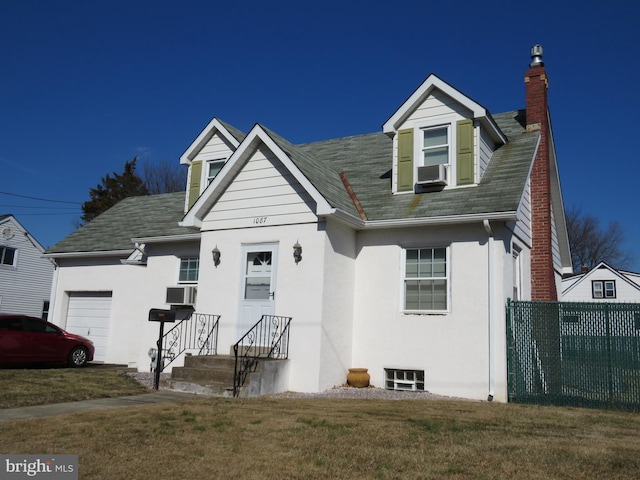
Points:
(88, 315)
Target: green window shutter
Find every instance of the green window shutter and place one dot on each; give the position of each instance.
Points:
(464, 163)
(194, 184)
(405, 160)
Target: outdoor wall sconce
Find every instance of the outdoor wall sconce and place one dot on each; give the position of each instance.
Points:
(297, 252)
(216, 256)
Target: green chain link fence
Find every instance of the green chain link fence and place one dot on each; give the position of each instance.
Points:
(579, 354)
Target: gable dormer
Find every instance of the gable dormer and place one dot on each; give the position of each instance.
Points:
(442, 139)
(207, 155)
(253, 180)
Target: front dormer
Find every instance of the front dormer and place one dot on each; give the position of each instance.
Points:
(206, 156)
(442, 139)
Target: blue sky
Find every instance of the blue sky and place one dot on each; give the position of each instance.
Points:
(86, 86)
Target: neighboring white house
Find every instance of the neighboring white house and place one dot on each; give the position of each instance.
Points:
(25, 275)
(602, 284)
(412, 240)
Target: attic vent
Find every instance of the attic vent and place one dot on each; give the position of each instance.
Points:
(432, 175)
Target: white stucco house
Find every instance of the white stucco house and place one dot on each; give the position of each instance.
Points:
(412, 239)
(25, 276)
(602, 284)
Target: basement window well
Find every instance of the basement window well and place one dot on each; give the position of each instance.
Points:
(404, 380)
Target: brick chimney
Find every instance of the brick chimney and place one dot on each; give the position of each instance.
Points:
(543, 287)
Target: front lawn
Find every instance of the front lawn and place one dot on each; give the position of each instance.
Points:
(284, 438)
(321, 438)
(21, 387)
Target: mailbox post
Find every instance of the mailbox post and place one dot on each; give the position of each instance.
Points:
(161, 316)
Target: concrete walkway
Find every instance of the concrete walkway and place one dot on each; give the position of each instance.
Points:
(41, 411)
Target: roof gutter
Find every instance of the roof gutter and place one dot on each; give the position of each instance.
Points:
(423, 221)
(120, 253)
(168, 239)
(104, 253)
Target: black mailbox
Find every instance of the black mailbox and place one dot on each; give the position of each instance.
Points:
(159, 315)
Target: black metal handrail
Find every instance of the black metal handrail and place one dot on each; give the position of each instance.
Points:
(269, 338)
(198, 333)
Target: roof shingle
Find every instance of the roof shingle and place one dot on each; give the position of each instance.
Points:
(133, 217)
(366, 161)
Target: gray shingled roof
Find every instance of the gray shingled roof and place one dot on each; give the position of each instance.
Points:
(238, 135)
(324, 175)
(133, 217)
(365, 160)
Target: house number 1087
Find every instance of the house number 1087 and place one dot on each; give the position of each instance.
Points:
(259, 220)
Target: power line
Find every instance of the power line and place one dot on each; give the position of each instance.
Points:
(39, 199)
(21, 214)
(39, 207)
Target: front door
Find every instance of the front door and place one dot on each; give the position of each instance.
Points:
(259, 284)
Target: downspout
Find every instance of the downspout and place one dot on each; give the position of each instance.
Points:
(53, 295)
(491, 311)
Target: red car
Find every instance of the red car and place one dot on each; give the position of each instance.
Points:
(25, 340)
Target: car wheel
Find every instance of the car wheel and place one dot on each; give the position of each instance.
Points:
(78, 357)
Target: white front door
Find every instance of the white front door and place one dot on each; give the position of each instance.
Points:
(258, 293)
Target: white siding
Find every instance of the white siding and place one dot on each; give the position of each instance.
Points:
(216, 147)
(25, 286)
(557, 263)
(262, 194)
(485, 151)
(566, 283)
(578, 288)
(436, 104)
(633, 277)
(522, 227)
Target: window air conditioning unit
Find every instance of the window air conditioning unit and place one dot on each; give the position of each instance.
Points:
(432, 175)
(182, 295)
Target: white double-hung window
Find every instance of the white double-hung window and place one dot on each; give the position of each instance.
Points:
(426, 280)
(435, 146)
(603, 288)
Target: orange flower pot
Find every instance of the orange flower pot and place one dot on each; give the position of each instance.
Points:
(358, 377)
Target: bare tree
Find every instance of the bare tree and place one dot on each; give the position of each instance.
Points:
(590, 244)
(164, 177)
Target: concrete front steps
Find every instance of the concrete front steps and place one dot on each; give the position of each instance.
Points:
(213, 375)
(204, 375)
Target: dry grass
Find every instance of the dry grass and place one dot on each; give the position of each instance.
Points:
(37, 386)
(338, 439)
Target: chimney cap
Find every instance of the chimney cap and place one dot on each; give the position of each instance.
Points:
(536, 56)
